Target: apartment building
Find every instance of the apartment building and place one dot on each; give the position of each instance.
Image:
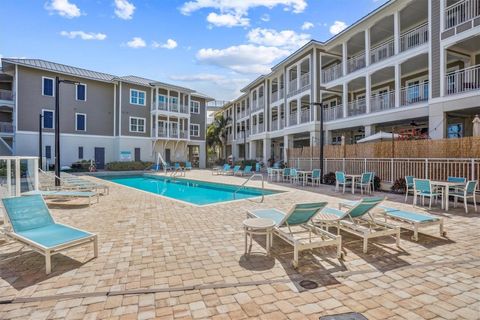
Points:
(103, 117)
(411, 67)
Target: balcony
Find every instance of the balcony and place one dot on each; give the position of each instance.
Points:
(460, 12)
(241, 135)
(414, 38)
(306, 116)
(277, 95)
(356, 63)
(414, 94)
(382, 51)
(462, 81)
(292, 86)
(382, 102)
(6, 127)
(357, 107)
(292, 120)
(229, 137)
(174, 107)
(274, 124)
(6, 95)
(333, 113)
(332, 73)
(259, 128)
(258, 104)
(173, 133)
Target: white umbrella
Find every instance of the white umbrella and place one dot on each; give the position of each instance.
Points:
(476, 126)
(379, 136)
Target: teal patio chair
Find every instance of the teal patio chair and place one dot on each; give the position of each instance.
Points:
(245, 171)
(409, 186)
(341, 180)
(258, 167)
(235, 170)
(286, 174)
(365, 182)
(316, 176)
(188, 165)
(468, 192)
(270, 174)
(359, 221)
(28, 220)
(297, 229)
(294, 176)
(423, 188)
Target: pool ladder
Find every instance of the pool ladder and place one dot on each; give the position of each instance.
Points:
(242, 186)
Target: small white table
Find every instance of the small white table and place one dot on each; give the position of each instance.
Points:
(353, 177)
(445, 185)
(304, 174)
(258, 226)
(278, 172)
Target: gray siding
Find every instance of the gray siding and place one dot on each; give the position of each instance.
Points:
(435, 47)
(200, 118)
(133, 110)
(98, 107)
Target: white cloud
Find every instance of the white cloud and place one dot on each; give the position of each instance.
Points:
(227, 20)
(63, 8)
(124, 9)
(265, 17)
(170, 44)
(307, 25)
(286, 38)
(337, 27)
(136, 43)
(242, 6)
(83, 35)
(245, 58)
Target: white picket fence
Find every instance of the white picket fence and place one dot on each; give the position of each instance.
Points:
(391, 169)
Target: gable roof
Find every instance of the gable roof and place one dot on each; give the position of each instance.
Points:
(135, 80)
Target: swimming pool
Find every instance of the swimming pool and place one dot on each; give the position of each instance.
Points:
(191, 191)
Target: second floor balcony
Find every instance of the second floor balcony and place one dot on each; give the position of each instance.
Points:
(259, 128)
(414, 94)
(277, 95)
(292, 119)
(382, 102)
(172, 133)
(357, 107)
(356, 63)
(382, 51)
(333, 113)
(306, 115)
(462, 81)
(6, 95)
(460, 12)
(172, 107)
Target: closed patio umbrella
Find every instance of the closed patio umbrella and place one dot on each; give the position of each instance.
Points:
(476, 126)
(379, 136)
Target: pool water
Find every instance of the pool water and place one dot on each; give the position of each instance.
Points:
(192, 191)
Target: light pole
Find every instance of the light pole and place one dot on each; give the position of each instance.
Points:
(319, 104)
(57, 126)
(40, 144)
(244, 142)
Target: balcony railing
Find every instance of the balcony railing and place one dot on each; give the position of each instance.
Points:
(356, 63)
(229, 137)
(460, 12)
(306, 116)
(277, 95)
(258, 104)
(183, 108)
(414, 94)
(174, 107)
(464, 80)
(332, 73)
(292, 86)
(6, 127)
(305, 80)
(357, 107)
(382, 102)
(274, 124)
(292, 119)
(382, 51)
(414, 38)
(172, 133)
(6, 95)
(333, 113)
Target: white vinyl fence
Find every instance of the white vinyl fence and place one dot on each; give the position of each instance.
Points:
(18, 175)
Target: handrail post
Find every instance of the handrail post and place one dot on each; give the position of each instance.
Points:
(426, 168)
(17, 177)
(365, 165)
(35, 169)
(473, 169)
(9, 176)
(391, 171)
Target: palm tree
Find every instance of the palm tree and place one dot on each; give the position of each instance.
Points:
(217, 134)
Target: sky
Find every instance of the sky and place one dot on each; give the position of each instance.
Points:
(212, 46)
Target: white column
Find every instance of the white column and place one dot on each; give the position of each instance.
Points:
(168, 99)
(367, 46)
(299, 107)
(252, 146)
(344, 57)
(314, 71)
(442, 73)
(369, 130)
(345, 99)
(398, 84)
(287, 114)
(437, 124)
(120, 109)
(168, 126)
(267, 150)
(368, 92)
(298, 75)
(396, 31)
(178, 125)
(286, 142)
(156, 113)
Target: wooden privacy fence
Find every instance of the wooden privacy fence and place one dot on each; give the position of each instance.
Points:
(468, 147)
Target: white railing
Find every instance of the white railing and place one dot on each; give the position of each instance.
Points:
(229, 137)
(460, 12)
(414, 94)
(183, 108)
(6, 127)
(305, 116)
(464, 80)
(292, 120)
(391, 169)
(6, 95)
(356, 63)
(260, 128)
(274, 124)
(381, 102)
(414, 38)
(162, 132)
(292, 86)
(275, 96)
(183, 134)
(357, 107)
(173, 107)
(332, 73)
(382, 51)
(333, 113)
(305, 80)
(281, 124)
(261, 103)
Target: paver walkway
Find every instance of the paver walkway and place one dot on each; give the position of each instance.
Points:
(190, 262)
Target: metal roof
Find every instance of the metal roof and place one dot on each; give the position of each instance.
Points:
(135, 80)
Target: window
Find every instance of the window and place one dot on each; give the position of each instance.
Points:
(194, 106)
(48, 152)
(80, 122)
(47, 87)
(81, 94)
(137, 97)
(48, 118)
(80, 153)
(195, 130)
(137, 124)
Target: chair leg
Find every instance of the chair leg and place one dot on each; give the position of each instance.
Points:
(295, 256)
(365, 245)
(474, 203)
(466, 204)
(95, 247)
(48, 262)
(406, 195)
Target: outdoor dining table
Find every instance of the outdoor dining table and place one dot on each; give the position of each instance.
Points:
(446, 185)
(304, 174)
(353, 177)
(278, 172)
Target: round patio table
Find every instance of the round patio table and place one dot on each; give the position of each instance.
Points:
(259, 226)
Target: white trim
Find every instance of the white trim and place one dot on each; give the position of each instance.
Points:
(120, 110)
(85, 124)
(53, 87)
(137, 118)
(194, 101)
(190, 129)
(43, 119)
(82, 135)
(114, 109)
(376, 91)
(138, 97)
(76, 91)
(16, 107)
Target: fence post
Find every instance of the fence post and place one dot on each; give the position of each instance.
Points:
(426, 168)
(17, 177)
(391, 171)
(473, 169)
(365, 165)
(343, 165)
(311, 164)
(325, 166)
(35, 174)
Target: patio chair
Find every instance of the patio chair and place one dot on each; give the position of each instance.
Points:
(232, 171)
(315, 178)
(296, 228)
(423, 188)
(258, 167)
(62, 194)
(359, 221)
(286, 174)
(294, 176)
(409, 186)
(188, 165)
(221, 170)
(365, 182)
(372, 181)
(341, 180)
(270, 174)
(28, 220)
(245, 171)
(468, 192)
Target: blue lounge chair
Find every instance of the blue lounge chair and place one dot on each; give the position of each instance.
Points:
(188, 165)
(29, 221)
(258, 167)
(341, 180)
(245, 171)
(409, 186)
(61, 194)
(235, 170)
(297, 229)
(358, 220)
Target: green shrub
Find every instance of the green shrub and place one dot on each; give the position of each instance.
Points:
(399, 186)
(329, 178)
(128, 165)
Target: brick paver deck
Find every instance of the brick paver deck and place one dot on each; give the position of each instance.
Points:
(164, 259)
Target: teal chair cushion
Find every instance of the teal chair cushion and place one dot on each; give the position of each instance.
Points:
(274, 214)
(408, 215)
(303, 213)
(27, 213)
(54, 235)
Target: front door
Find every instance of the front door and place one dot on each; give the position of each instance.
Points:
(137, 154)
(167, 155)
(100, 158)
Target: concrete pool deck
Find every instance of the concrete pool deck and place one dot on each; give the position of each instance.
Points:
(190, 262)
